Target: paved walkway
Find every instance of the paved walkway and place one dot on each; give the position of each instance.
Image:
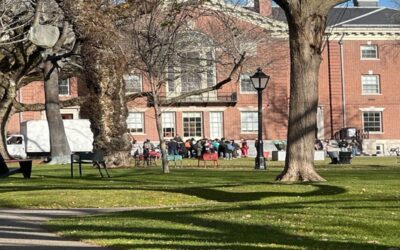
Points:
(21, 229)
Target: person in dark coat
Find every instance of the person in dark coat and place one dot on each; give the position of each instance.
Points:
(222, 148)
(173, 147)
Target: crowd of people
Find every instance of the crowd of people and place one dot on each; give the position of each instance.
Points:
(230, 149)
(191, 148)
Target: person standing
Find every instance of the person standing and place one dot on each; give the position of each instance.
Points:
(354, 147)
(229, 149)
(135, 149)
(173, 147)
(222, 148)
(244, 148)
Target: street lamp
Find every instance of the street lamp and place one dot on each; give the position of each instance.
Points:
(259, 81)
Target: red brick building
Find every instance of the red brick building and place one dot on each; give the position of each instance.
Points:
(358, 85)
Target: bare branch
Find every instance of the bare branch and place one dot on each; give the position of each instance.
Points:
(38, 11)
(22, 107)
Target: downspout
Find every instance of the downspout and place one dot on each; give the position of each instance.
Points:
(344, 125)
(330, 88)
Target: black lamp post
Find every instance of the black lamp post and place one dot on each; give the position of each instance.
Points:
(259, 81)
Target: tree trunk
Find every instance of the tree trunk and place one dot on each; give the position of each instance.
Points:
(107, 105)
(59, 147)
(5, 110)
(105, 64)
(163, 146)
(306, 33)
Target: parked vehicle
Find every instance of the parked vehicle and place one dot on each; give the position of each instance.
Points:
(35, 138)
(16, 146)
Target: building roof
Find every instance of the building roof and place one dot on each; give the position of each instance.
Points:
(277, 27)
(355, 20)
(355, 16)
(364, 16)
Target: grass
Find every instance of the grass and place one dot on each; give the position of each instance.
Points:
(233, 207)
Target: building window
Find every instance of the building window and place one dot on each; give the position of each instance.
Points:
(63, 87)
(245, 84)
(372, 121)
(216, 125)
(369, 52)
(135, 122)
(191, 78)
(192, 124)
(133, 83)
(168, 124)
(193, 68)
(370, 84)
(67, 116)
(249, 121)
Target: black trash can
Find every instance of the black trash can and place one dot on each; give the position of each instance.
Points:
(26, 168)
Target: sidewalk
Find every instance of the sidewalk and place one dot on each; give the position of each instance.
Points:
(21, 229)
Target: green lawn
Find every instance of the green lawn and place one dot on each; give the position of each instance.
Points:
(233, 207)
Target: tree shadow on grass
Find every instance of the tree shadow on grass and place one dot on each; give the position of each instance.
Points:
(196, 229)
(224, 196)
(210, 193)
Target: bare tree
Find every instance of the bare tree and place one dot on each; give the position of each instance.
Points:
(307, 23)
(57, 47)
(177, 47)
(18, 57)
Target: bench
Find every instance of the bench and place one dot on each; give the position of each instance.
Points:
(341, 157)
(208, 157)
(344, 157)
(141, 160)
(25, 167)
(95, 158)
(175, 158)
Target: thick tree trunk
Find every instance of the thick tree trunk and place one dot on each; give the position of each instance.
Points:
(105, 65)
(306, 34)
(107, 105)
(59, 147)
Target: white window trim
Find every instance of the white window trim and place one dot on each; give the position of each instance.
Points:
(73, 111)
(140, 82)
(379, 85)
(143, 124)
(373, 109)
(202, 124)
(202, 49)
(221, 123)
(69, 88)
(248, 109)
(241, 129)
(174, 123)
(240, 86)
(366, 58)
(203, 63)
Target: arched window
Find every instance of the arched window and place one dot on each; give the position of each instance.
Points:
(193, 67)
